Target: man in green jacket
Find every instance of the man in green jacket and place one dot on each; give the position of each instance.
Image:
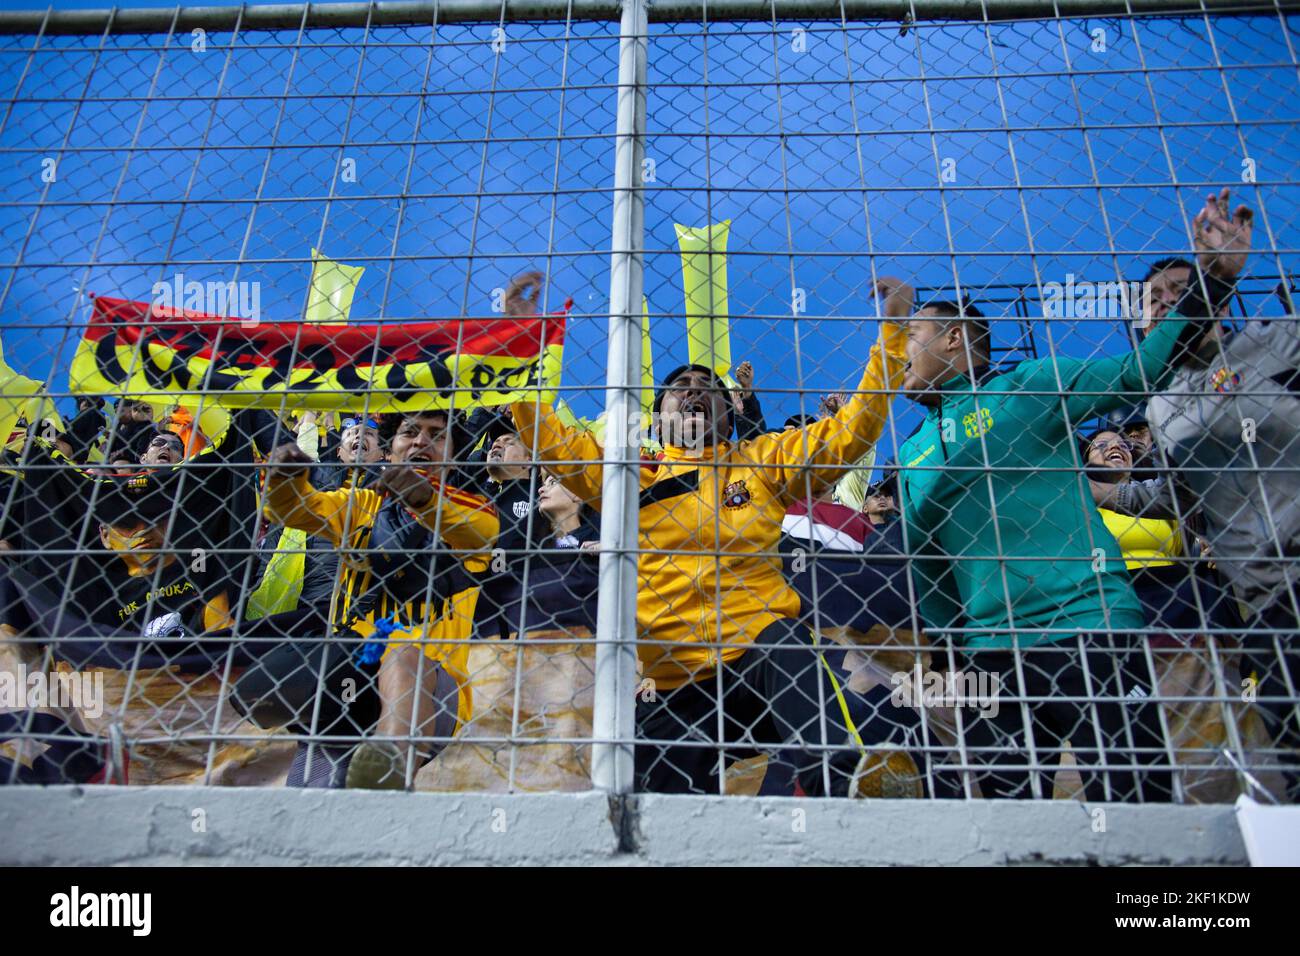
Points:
(1009, 552)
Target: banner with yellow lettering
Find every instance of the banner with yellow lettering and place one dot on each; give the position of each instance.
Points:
(133, 348)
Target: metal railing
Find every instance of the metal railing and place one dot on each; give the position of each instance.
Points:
(1028, 157)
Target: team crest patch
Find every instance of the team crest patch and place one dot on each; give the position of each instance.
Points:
(736, 495)
(1225, 380)
(521, 508)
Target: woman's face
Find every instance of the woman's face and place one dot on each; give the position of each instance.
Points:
(1111, 451)
(556, 501)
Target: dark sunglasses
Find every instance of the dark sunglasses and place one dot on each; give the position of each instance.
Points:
(368, 422)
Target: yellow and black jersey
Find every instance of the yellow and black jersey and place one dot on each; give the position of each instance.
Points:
(386, 571)
(710, 520)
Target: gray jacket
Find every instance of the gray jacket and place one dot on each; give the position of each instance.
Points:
(1229, 422)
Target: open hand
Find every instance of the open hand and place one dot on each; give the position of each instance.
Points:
(1222, 243)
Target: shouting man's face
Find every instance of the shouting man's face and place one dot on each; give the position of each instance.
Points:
(422, 437)
(165, 449)
(694, 411)
(506, 458)
(359, 445)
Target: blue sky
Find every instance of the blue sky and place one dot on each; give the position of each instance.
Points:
(854, 183)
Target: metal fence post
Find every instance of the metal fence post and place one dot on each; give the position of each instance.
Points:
(614, 709)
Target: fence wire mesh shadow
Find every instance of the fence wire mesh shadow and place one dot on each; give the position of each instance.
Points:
(674, 400)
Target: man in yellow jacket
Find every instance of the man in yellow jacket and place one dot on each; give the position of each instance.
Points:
(401, 542)
(716, 618)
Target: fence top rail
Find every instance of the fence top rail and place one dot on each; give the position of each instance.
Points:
(392, 13)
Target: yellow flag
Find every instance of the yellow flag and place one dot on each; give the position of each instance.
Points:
(281, 584)
(647, 361)
(20, 397)
(329, 301)
(704, 278)
(503, 362)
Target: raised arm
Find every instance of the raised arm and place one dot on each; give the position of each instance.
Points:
(292, 500)
(1094, 387)
(819, 452)
(1153, 498)
(1222, 242)
(749, 413)
(573, 455)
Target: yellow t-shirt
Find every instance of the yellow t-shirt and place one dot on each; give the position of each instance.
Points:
(1146, 542)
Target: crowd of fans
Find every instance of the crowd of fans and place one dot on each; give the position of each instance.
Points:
(1061, 525)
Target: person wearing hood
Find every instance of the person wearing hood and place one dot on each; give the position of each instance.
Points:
(134, 579)
(716, 619)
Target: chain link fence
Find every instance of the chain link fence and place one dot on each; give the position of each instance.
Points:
(872, 399)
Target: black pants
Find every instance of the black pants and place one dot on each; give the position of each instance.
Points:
(1184, 601)
(316, 687)
(1104, 713)
(774, 698)
(282, 687)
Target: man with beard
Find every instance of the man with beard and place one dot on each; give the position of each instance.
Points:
(719, 623)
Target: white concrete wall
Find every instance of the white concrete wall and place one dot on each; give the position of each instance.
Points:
(75, 826)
